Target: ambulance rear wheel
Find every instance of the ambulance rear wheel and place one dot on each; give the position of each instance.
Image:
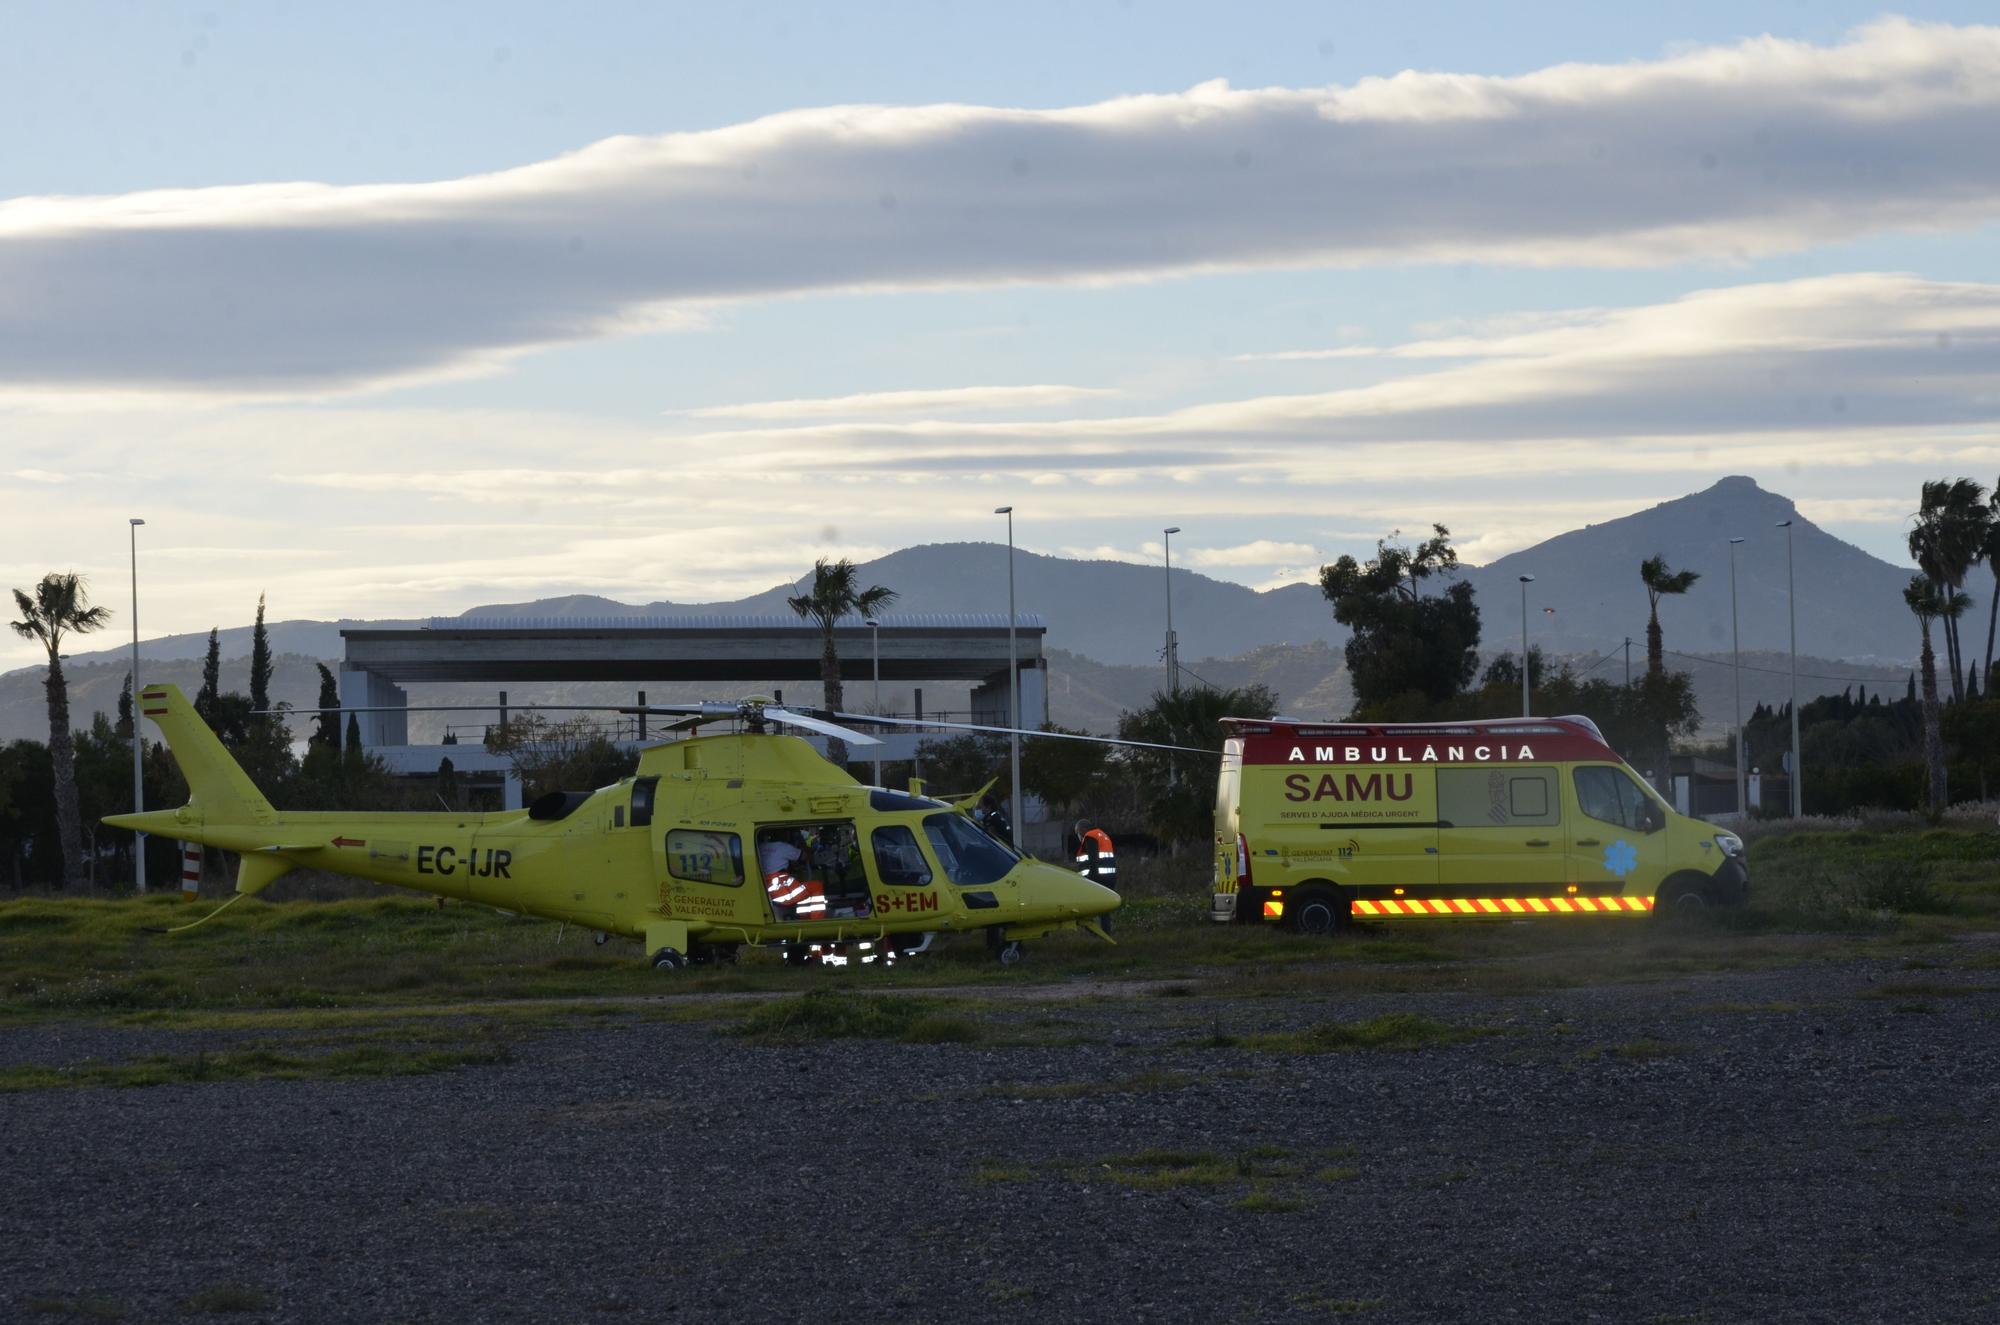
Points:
(666, 959)
(1318, 911)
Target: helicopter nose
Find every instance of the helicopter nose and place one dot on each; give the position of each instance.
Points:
(1078, 896)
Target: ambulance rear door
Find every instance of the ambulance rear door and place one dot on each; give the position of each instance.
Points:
(1370, 828)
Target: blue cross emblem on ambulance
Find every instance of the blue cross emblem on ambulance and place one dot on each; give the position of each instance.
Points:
(1620, 858)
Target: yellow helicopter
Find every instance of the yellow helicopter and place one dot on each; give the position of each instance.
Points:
(750, 837)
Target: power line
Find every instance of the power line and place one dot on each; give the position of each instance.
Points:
(1781, 671)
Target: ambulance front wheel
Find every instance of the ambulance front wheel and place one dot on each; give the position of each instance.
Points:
(1319, 911)
(1684, 897)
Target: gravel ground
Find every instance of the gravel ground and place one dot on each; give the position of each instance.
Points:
(1807, 1144)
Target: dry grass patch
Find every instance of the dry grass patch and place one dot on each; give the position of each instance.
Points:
(1395, 1030)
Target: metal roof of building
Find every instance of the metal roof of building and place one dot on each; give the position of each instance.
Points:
(739, 621)
(734, 647)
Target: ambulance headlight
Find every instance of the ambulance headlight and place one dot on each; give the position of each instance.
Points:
(1731, 844)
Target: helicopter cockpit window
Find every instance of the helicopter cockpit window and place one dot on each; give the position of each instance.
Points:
(705, 857)
(898, 859)
(813, 872)
(969, 857)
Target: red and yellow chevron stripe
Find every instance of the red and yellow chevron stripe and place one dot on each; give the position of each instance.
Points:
(1502, 906)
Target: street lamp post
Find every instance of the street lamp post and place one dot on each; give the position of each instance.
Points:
(1526, 711)
(1736, 666)
(1173, 656)
(138, 762)
(875, 634)
(1013, 690)
(1797, 777)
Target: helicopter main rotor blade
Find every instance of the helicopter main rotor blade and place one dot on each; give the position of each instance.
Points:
(707, 708)
(308, 710)
(793, 718)
(1020, 731)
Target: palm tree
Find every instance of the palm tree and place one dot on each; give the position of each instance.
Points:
(1946, 543)
(832, 597)
(1927, 600)
(1660, 582)
(61, 605)
(1989, 552)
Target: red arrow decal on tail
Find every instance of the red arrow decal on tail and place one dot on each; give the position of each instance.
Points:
(350, 842)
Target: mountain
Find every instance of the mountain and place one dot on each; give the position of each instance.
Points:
(1850, 604)
(1112, 611)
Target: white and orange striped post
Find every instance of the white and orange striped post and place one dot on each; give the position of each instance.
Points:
(190, 871)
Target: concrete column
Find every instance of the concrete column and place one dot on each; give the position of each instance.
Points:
(361, 689)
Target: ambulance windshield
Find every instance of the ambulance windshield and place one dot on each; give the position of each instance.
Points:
(968, 857)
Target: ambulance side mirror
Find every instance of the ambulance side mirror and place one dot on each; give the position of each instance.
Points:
(1651, 818)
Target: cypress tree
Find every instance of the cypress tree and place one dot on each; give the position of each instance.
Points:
(124, 727)
(260, 661)
(326, 727)
(211, 679)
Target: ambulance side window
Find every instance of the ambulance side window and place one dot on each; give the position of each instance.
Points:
(705, 857)
(898, 859)
(1608, 795)
(1498, 797)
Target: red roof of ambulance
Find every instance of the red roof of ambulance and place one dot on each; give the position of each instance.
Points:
(1487, 740)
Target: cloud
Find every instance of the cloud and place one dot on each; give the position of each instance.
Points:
(1296, 356)
(1262, 552)
(1583, 418)
(298, 288)
(1859, 510)
(948, 400)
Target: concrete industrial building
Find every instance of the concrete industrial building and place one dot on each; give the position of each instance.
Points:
(739, 654)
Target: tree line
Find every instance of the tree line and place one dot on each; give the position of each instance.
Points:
(1412, 655)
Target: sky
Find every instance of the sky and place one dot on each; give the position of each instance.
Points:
(391, 310)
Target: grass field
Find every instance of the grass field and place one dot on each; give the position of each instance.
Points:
(393, 955)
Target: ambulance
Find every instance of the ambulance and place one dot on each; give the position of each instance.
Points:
(1320, 824)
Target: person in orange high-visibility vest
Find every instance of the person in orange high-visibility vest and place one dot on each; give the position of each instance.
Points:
(781, 857)
(1095, 859)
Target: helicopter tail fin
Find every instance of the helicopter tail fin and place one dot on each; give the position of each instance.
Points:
(224, 807)
(217, 785)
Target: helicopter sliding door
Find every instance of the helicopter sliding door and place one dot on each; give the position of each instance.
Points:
(813, 871)
(905, 884)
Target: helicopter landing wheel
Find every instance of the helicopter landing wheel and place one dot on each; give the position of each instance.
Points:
(602, 938)
(666, 959)
(1009, 953)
